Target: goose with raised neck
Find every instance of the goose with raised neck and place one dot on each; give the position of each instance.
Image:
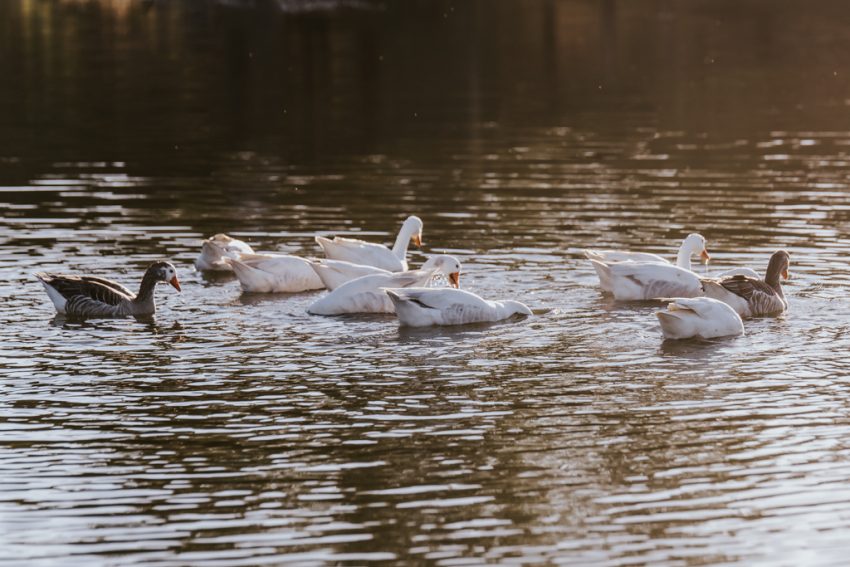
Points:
(94, 297)
(371, 254)
(752, 297)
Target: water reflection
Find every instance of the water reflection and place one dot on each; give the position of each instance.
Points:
(237, 429)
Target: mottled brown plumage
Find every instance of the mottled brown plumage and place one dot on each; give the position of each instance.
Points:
(752, 297)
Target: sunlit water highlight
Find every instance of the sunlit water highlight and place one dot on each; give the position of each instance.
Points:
(235, 429)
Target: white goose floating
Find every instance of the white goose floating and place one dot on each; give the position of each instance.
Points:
(422, 307)
(753, 297)
(377, 255)
(94, 297)
(693, 244)
(216, 250)
(630, 280)
(275, 273)
(699, 317)
(365, 294)
(636, 281)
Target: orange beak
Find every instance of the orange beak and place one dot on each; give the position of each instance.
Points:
(175, 283)
(454, 279)
(704, 255)
(785, 273)
(417, 240)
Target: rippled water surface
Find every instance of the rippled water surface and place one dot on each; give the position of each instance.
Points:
(235, 429)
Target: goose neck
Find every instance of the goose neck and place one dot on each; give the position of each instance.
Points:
(402, 241)
(146, 288)
(683, 258)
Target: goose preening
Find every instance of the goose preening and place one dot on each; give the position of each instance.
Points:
(423, 306)
(275, 273)
(216, 250)
(365, 294)
(753, 297)
(692, 245)
(334, 273)
(635, 281)
(378, 255)
(91, 296)
(699, 317)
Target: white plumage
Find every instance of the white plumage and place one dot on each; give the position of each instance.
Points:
(275, 273)
(634, 281)
(334, 273)
(216, 250)
(365, 294)
(377, 255)
(692, 245)
(422, 307)
(749, 272)
(699, 317)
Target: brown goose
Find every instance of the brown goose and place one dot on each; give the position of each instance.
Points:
(752, 297)
(90, 296)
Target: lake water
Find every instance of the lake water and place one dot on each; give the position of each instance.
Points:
(236, 429)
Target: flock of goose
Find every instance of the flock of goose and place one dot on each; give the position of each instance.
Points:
(698, 307)
(364, 277)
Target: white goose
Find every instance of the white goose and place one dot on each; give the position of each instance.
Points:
(365, 294)
(275, 273)
(692, 245)
(215, 250)
(378, 255)
(334, 273)
(699, 317)
(422, 307)
(635, 281)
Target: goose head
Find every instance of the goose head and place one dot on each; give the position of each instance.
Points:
(214, 249)
(447, 265)
(778, 266)
(413, 227)
(517, 308)
(221, 239)
(164, 272)
(694, 245)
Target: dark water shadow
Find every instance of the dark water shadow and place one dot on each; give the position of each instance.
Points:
(145, 323)
(606, 302)
(213, 277)
(697, 349)
(458, 332)
(359, 317)
(254, 298)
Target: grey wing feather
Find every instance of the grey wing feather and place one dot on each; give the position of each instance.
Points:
(90, 307)
(114, 285)
(92, 287)
(762, 298)
(746, 287)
